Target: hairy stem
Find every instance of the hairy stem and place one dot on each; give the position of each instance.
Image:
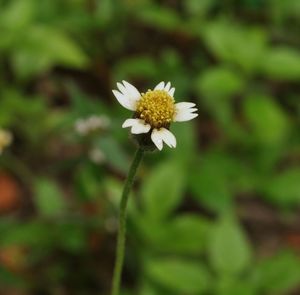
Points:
(122, 223)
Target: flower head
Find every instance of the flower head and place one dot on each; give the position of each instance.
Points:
(91, 124)
(154, 111)
(5, 139)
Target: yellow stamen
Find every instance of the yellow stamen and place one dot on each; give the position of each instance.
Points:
(156, 107)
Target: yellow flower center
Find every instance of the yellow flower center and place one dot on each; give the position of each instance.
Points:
(156, 107)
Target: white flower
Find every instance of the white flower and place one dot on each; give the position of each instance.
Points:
(5, 139)
(97, 156)
(154, 111)
(91, 124)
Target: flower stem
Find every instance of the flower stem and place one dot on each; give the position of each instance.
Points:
(122, 223)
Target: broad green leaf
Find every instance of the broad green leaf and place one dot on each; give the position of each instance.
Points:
(43, 48)
(179, 275)
(87, 182)
(49, 200)
(244, 46)
(285, 10)
(104, 11)
(219, 82)
(267, 120)
(282, 63)
(199, 8)
(210, 181)
(136, 67)
(216, 88)
(284, 189)
(14, 110)
(28, 234)
(185, 234)
(162, 190)
(235, 285)
(279, 274)
(148, 288)
(159, 17)
(18, 14)
(229, 250)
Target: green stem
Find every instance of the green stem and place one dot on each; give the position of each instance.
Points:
(122, 223)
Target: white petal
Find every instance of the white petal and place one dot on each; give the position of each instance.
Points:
(184, 105)
(141, 127)
(133, 93)
(137, 126)
(129, 123)
(156, 138)
(124, 100)
(184, 115)
(161, 135)
(167, 87)
(191, 110)
(168, 137)
(122, 88)
(185, 111)
(172, 91)
(160, 86)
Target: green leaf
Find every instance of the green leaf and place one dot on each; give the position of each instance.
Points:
(17, 15)
(148, 288)
(284, 189)
(185, 234)
(32, 234)
(229, 251)
(279, 274)
(48, 198)
(216, 88)
(282, 63)
(136, 67)
(14, 110)
(104, 12)
(163, 190)
(178, 275)
(267, 120)
(159, 17)
(210, 181)
(234, 285)
(219, 82)
(285, 10)
(244, 46)
(43, 48)
(199, 8)
(87, 182)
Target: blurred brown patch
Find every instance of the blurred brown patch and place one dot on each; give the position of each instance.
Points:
(9, 193)
(13, 258)
(293, 241)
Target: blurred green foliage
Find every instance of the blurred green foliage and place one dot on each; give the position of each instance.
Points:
(193, 228)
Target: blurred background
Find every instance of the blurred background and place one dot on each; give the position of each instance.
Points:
(228, 221)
